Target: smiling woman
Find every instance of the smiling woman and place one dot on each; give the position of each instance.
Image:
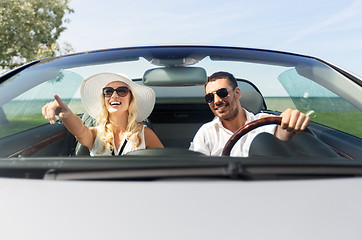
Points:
(119, 106)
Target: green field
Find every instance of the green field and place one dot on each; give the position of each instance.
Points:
(349, 122)
(21, 123)
(346, 121)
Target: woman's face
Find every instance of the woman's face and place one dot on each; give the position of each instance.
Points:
(115, 103)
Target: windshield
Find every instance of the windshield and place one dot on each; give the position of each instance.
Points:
(279, 80)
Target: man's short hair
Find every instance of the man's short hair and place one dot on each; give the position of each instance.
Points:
(223, 75)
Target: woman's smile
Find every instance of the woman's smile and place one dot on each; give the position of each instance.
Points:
(115, 103)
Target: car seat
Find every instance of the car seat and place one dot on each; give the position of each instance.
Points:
(251, 98)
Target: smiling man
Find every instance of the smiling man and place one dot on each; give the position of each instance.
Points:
(222, 95)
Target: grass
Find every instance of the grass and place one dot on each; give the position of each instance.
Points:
(21, 123)
(349, 122)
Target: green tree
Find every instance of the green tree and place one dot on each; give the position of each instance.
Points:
(29, 30)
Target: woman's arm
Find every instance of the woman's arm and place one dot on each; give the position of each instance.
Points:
(72, 122)
(152, 141)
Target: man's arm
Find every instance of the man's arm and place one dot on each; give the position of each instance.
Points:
(292, 122)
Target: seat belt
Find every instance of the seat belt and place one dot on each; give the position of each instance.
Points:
(122, 148)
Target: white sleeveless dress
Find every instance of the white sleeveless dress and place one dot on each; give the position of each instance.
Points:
(129, 147)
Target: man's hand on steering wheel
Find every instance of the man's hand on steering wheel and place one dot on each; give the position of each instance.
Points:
(288, 123)
(292, 122)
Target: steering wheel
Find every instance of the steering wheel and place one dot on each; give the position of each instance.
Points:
(312, 145)
(247, 128)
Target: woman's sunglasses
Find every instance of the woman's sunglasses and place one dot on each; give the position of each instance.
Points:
(222, 92)
(121, 91)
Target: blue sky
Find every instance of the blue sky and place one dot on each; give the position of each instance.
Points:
(331, 30)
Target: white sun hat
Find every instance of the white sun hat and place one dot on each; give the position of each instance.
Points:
(91, 94)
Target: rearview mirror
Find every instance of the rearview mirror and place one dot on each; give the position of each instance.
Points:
(175, 76)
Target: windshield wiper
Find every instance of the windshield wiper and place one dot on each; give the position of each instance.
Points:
(247, 169)
(164, 167)
(161, 169)
(203, 172)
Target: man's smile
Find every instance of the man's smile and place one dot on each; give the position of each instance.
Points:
(220, 108)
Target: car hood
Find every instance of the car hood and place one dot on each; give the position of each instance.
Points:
(181, 209)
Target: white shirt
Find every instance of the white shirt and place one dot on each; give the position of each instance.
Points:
(211, 138)
(129, 147)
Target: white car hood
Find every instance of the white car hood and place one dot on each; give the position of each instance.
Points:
(195, 209)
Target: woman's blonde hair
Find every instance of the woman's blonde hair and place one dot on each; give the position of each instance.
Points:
(106, 128)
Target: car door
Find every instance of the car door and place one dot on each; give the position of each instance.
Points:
(24, 132)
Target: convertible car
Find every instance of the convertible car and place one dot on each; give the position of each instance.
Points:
(51, 188)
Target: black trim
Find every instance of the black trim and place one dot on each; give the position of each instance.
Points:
(122, 148)
(15, 71)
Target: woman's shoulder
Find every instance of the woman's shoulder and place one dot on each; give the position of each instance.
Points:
(147, 131)
(151, 139)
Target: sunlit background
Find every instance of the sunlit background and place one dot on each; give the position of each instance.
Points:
(331, 30)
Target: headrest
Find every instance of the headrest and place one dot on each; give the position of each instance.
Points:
(250, 99)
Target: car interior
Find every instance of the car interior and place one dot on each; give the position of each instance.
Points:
(176, 124)
(173, 120)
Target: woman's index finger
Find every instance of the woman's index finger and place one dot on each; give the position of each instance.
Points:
(59, 100)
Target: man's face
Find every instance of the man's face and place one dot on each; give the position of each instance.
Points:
(224, 108)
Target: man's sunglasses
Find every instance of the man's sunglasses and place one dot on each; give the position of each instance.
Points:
(121, 91)
(222, 92)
